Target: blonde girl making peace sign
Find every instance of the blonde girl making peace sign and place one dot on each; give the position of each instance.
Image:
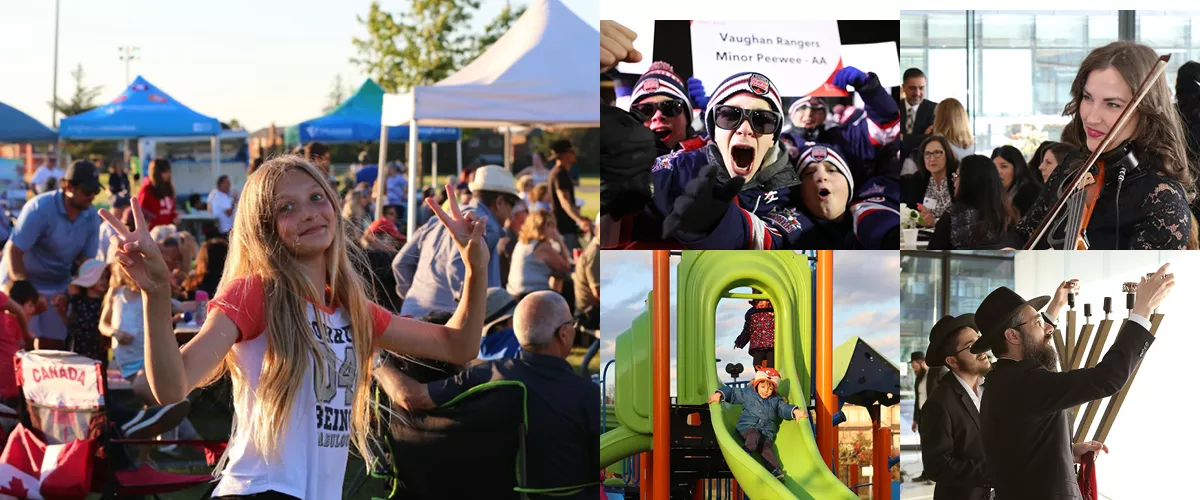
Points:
(292, 324)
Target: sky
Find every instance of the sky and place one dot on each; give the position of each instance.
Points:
(866, 291)
(254, 60)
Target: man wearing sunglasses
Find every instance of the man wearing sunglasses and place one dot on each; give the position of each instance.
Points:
(56, 231)
(661, 98)
(1023, 415)
(951, 442)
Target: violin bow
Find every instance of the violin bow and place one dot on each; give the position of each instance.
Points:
(1076, 182)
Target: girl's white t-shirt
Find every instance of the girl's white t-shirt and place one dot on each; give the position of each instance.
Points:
(313, 446)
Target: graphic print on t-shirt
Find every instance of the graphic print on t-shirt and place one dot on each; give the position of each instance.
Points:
(335, 373)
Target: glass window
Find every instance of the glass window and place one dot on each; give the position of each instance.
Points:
(1061, 30)
(996, 29)
(1025, 63)
(920, 304)
(1162, 30)
(912, 29)
(974, 278)
(947, 29)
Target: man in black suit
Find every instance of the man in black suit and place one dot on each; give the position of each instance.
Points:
(926, 383)
(1025, 435)
(916, 112)
(951, 442)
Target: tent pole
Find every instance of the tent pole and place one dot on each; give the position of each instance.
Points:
(435, 168)
(380, 177)
(412, 177)
(508, 148)
(216, 159)
(460, 154)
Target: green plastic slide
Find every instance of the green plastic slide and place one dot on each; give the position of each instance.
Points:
(703, 279)
(785, 277)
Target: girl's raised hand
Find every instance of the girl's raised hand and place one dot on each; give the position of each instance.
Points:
(137, 252)
(466, 230)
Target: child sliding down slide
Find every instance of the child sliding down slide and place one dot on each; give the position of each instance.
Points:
(762, 409)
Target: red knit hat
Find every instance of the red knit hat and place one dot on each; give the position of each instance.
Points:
(765, 374)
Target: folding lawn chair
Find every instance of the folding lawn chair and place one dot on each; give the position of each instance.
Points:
(467, 448)
(65, 446)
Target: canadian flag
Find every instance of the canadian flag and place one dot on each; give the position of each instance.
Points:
(30, 468)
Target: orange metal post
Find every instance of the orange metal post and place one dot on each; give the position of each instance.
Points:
(826, 434)
(881, 447)
(646, 481)
(854, 478)
(702, 486)
(661, 408)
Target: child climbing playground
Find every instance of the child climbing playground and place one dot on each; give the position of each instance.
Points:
(684, 419)
(762, 409)
(759, 332)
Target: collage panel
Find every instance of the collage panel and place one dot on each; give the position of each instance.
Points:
(303, 250)
(760, 375)
(726, 135)
(1063, 129)
(1041, 374)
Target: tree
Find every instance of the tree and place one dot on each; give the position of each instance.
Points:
(496, 29)
(336, 96)
(234, 124)
(82, 101)
(425, 44)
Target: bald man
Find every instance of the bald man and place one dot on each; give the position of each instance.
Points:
(563, 445)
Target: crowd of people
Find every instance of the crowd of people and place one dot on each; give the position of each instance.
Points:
(1144, 179)
(515, 280)
(744, 168)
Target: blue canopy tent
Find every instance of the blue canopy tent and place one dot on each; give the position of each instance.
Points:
(143, 110)
(358, 120)
(16, 126)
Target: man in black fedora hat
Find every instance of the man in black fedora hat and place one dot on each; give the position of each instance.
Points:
(1025, 434)
(951, 441)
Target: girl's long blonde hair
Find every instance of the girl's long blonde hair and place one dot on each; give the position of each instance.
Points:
(950, 119)
(258, 251)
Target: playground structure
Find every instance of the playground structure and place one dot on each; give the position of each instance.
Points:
(673, 449)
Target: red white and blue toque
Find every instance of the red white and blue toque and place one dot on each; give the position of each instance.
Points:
(661, 79)
(806, 102)
(817, 153)
(753, 83)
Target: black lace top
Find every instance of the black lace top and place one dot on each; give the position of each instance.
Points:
(1151, 212)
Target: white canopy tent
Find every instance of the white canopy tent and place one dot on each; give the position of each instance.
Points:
(534, 75)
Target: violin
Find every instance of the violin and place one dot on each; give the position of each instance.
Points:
(1083, 189)
(1081, 202)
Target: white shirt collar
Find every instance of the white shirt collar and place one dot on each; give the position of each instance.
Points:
(975, 398)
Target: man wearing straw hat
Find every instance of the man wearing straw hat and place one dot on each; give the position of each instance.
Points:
(1026, 438)
(951, 442)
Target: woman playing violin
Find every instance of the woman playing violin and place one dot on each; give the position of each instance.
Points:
(1138, 199)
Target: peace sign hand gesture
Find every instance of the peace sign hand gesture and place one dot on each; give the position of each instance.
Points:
(466, 230)
(137, 252)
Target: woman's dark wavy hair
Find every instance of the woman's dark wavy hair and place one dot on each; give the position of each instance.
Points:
(979, 187)
(1187, 91)
(1159, 127)
(1022, 174)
